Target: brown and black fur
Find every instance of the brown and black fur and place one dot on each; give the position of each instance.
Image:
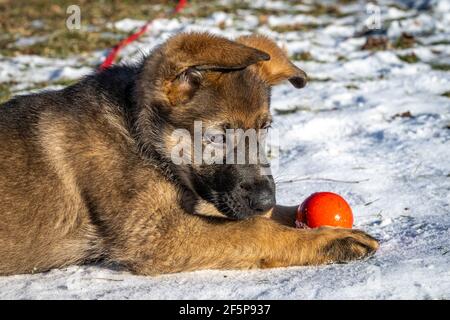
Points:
(85, 172)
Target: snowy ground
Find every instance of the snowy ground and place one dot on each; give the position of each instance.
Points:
(370, 126)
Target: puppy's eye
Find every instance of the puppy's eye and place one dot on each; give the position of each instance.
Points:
(191, 75)
(266, 126)
(215, 138)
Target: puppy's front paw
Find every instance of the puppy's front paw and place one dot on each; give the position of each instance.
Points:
(343, 245)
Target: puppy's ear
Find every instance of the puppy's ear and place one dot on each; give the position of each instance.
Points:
(278, 68)
(180, 63)
(183, 87)
(205, 51)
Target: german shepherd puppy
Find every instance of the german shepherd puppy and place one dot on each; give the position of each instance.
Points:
(86, 172)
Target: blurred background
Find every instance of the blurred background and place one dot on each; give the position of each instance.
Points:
(48, 29)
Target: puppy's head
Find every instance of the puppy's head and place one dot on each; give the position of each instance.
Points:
(215, 90)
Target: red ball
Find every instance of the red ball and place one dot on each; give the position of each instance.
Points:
(325, 209)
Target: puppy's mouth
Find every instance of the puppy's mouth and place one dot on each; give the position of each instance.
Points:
(226, 206)
(216, 206)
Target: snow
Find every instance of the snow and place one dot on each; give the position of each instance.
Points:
(34, 69)
(375, 129)
(28, 41)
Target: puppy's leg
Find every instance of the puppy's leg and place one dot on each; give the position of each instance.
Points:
(284, 215)
(199, 243)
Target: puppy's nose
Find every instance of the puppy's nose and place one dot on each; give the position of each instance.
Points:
(261, 197)
(262, 200)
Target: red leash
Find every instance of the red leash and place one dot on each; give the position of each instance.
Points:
(112, 55)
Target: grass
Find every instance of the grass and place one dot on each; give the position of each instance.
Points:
(295, 27)
(64, 43)
(440, 42)
(30, 18)
(26, 18)
(302, 56)
(406, 114)
(283, 112)
(409, 58)
(405, 41)
(36, 18)
(314, 79)
(5, 92)
(352, 86)
(324, 9)
(317, 9)
(375, 43)
(45, 84)
(292, 110)
(21, 19)
(440, 66)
